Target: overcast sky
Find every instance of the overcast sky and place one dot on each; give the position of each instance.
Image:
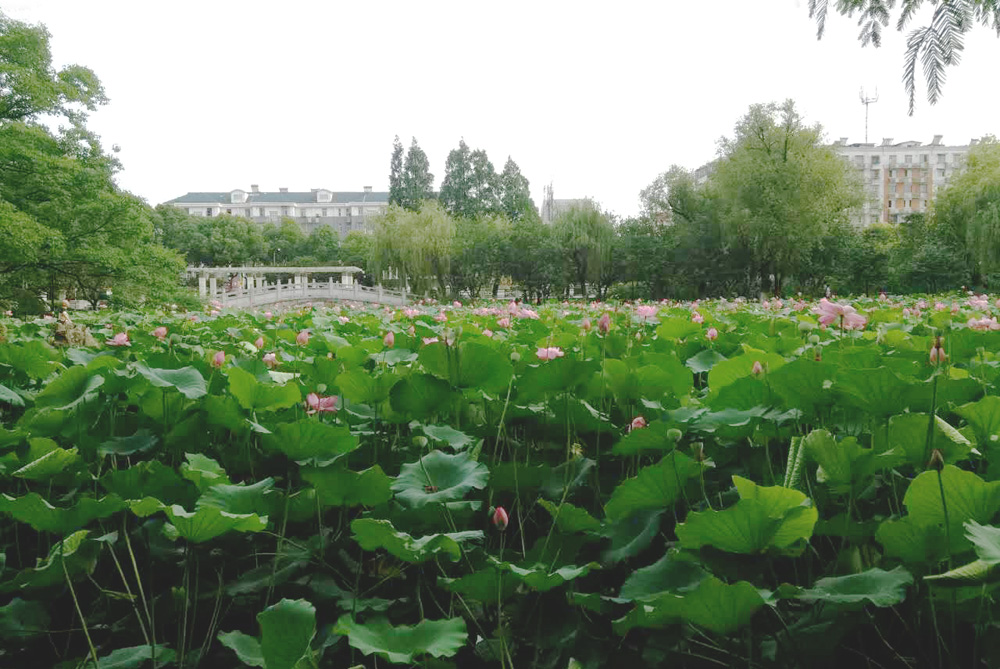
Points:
(596, 98)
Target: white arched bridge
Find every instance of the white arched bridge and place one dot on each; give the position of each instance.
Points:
(246, 287)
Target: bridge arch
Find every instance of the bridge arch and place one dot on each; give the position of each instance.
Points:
(246, 287)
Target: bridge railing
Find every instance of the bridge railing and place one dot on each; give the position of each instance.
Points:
(270, 293)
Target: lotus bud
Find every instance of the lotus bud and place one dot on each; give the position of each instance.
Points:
(500, 519)
(758, 368)
(218, 360)
(389, 339)
(302, 338)
(420, 441)
(712, 334)
(637, 423)
(515, 356)
(814, 339)
(604, 324)
(259, 344)
(937, 460)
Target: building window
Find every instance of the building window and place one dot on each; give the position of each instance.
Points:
(208, 212)
(892, 159)
(859, 160)
(890, 204)
(924, 158)
(941, 158)
(940, 172)
(923, 188)
(908, 159)
(229, 212)
(874, 174)
(875, 160)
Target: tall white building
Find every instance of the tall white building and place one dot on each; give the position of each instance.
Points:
(343, 211)
(901, 178)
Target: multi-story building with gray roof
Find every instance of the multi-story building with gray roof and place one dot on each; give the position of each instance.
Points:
(342, 211)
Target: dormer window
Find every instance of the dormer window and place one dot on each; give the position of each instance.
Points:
(323, 195)
(237, 196)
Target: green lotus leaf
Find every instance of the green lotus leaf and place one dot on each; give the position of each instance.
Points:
(71, 388)
(985, 541)
(879, 587)
(203, 471)
(908, 436)
(201, 525)
(34, 358)
(676, 327)
(419, 396)
(286, 630)
(149, 479)
(338, 486)
(666, 575)
(256, 396)
(569, 518)
(704, 361)
(76, 555)
(373, 534)
(224, 411)
(359, 385)
(984, 417)
(714, 605)
(468, 365)
(439, 477)
(655, 487)
(729, 371)
(975, 572)
(437, 638)
(135, 657)
(632, 535)
(651, 438)
(488, 585)
(764, 518)
(45, 459)
(187, 380)
(21, 620)
(142, 440)
(239, 499)
(801, 384)
(311, 439)
(34, 510)
(878, 392)
(246, 647)
(845, 464)
(921, 535)
(543, 577)
(448, 435)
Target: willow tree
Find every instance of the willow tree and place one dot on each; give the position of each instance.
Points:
(967, 210)
(414, 247)
(782, 190)
(585, 235)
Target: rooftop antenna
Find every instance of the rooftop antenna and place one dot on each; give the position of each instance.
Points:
(866, 101)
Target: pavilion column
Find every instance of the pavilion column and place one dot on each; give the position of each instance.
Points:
(202, 285)
(213, 287)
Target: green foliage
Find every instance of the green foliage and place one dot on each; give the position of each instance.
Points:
(401, 644)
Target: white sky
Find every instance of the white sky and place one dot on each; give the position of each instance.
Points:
(595, 97)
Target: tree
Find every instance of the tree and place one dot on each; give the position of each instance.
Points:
(967, 210)
(515, 193)
(782, 190)
(936, 45)
(479, 254)
(30, 87)
(417, 182)
(396, 172)
(415, 247)
(534, 257)
(470, 187)
(585, 235)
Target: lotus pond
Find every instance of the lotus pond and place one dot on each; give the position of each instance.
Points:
(700, 485)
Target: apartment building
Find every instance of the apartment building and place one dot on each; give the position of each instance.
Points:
(901, 178)
(343, 211)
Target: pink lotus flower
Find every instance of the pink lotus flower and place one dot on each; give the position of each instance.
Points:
(8, 313)
(430, 340)
(500, 519)
(268, 315)
(712, 334)
(456, 303)
(940, 306)
(637, 423)
(218, 360)
(320, 403)
(302, 338)
(758, 368)
(160, 333)
(831, 311)
(586, 325)
(979, 302)
(646, 311)
(412, 331)
(487, 333)
(410, 313)
(271, 360)
(389, 340)
(503, 323)
(697, 318)
(120, 339)
(441, 317)
(604, 323)
(343, 320)
(983, 324)
(259, 343)
(550, 353)
(214, 312)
